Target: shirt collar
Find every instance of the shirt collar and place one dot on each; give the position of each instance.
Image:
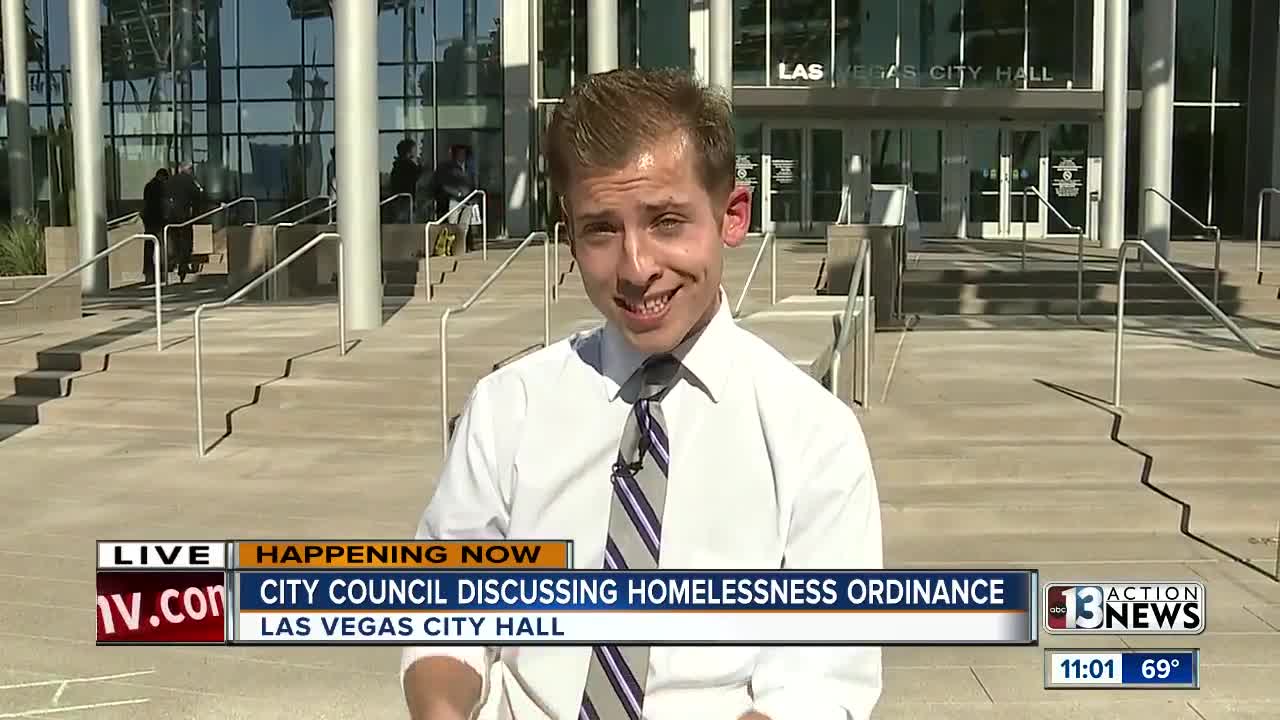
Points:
(705, 356)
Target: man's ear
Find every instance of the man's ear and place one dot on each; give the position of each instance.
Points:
(737, 216)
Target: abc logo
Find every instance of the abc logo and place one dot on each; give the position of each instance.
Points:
(1071, 607)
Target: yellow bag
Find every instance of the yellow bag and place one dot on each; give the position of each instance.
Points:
(445, 240)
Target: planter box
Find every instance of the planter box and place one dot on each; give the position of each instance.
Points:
(60, 302)
(249, 254)
(62, 251)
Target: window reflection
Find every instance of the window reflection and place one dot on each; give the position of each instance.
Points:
(800, 42)
(931, 43)
(1059, 43)
(994, 34)
(749, 22)
(1193, 68)
(1231, 49)
(866, 44)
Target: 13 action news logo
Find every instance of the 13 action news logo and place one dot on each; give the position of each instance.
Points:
(1110, 608)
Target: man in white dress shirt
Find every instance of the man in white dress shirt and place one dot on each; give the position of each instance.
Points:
(756, 465)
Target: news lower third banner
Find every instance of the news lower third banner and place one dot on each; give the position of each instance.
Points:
(345, 592)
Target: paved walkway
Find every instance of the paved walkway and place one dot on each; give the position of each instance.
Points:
(991, 451)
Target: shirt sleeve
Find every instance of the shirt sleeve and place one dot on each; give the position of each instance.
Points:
(834, 524)
(471, 501)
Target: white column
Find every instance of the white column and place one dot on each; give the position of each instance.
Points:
(18, 107)
(1114, 121)
(602, 35)
(517, 111)
(84, 23)
(699, 43)
(355, 26)
(721, 45)
(1158, 43)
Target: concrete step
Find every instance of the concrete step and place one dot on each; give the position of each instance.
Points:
(1040, 424)
(1090, 291)
(973, 306)
(302, 393)
(1053, 544)
(256, 420)
(1071, 464)
(1139, 387)
(1066, 275)
(1105, 507)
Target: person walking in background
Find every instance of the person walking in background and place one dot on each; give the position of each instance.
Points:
(405, 171)
(183, 197)
(452, 184)
(331, 178)
(153, 214)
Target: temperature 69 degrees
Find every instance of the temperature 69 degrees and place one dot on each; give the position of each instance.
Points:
(1128, 668)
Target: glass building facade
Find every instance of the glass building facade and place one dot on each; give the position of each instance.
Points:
(244, 89)
(970, 101)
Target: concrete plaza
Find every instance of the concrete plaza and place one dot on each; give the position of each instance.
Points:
(992, 441)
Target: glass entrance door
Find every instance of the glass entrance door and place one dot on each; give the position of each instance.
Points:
(806, 178)
(785, 153)
(1002, 161)
(911, 156)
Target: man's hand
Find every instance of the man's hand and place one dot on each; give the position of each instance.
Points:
(441, 688)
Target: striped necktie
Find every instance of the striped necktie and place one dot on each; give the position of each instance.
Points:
(616, 679)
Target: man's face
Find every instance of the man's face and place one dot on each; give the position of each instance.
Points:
(648, 242)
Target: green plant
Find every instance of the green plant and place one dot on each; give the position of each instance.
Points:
(21, 248)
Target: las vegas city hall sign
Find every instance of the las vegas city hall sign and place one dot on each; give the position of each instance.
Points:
(1004, 74)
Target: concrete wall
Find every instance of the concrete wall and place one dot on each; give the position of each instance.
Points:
(248, 255)
(60, 302)
(62, 251)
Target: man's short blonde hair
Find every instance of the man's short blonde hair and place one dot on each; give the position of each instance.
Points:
(609, 117)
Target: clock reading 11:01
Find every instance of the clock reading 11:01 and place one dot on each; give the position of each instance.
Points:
(1120, 669)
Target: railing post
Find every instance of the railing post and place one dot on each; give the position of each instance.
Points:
(868, 317)
(546, 291)
(444, 380)
(1080, 274)
(1217, 262)
(1024, 228)
(773, 270)
(200, 448)
(1257, 249)
(1119, 349)
(155, 262)
(555, 281)
(484, 225)
(342, 301)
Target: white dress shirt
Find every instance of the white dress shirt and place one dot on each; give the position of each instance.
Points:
(768, 470)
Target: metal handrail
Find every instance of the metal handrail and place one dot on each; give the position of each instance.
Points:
(296, 206)
(466, 305)
(1079, 231)
(241, 293)
(861, 273)
(123, 219)
(222, 207)
(322, 211)
(1257, 252)
(1191, 289)
(397, 196)
(846, 207)
(155, 258)
(333, 204)
(1212, 229)
(555, 260)
(770, 241)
